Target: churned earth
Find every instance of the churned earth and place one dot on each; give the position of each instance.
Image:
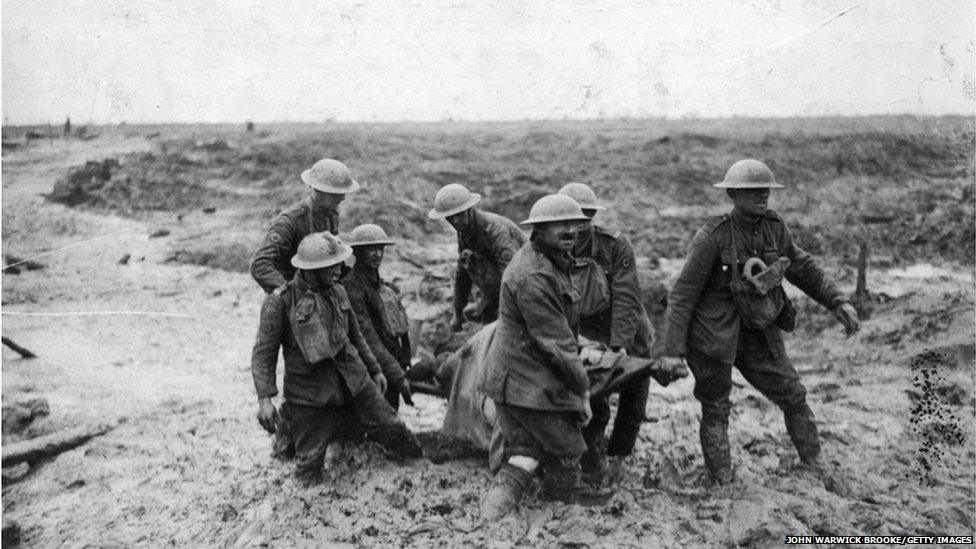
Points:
(187, 464)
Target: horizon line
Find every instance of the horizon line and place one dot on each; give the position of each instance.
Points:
(451, 120)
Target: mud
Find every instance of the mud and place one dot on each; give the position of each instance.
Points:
(187, 463)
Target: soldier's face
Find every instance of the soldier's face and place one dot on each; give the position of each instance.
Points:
(371, 256)
(326, 199)
(328, 276)
(460, 221)
(560, 235)
(750, 201)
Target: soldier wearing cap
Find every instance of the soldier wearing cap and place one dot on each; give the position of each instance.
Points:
(330, 182)
(613, 315)
(533, 372)
(723, 313)
(486, 243)
(382, 317)
(330, 372)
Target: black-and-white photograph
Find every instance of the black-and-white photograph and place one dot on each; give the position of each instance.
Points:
(488, 274)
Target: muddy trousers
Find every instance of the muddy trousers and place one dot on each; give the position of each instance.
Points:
(626, 426)
(314, 427)
(552, 438)
(775, 378)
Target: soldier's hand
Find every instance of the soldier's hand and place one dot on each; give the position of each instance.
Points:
(590, 355)
(587, 409)
(457, 322)
(267, 415)
(380, 381)
(676, 367)
(404, 391)
(847, 315)
(580, 382)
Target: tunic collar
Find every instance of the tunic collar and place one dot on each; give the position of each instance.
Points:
(369, 274)
(563, 260)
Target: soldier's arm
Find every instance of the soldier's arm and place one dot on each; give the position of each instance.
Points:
(360, 345)
(806, 274)
(462, 289)
(544, 312)
(389, 364)
(264, 356)
(625, 290)
(277, 242)
(502, 249)
(702, 254)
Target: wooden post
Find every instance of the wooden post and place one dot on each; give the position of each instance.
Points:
(49, 445)
(20, 350)
(862, 297)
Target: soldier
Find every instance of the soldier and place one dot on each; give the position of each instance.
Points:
(330, 181)
(381, 315)
(328, 365)
(486, 243)
(617, 319)
(533, 372)
(722, 313)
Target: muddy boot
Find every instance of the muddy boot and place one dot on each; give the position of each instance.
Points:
(507, 488)
(398, 441)
(594, 464)
(561, 482)
(803, 432)
(715, 449)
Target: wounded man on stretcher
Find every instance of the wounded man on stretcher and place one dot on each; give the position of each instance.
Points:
(469, 424)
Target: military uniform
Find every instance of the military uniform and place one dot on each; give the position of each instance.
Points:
(616, 318)
(533, 372)
(704, 326)
(484, 250)
(383, 322)
(270, 265)
(328, 371)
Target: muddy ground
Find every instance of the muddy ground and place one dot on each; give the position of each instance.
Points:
(187, 464)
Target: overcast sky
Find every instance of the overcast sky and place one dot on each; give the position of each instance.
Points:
(228, 61)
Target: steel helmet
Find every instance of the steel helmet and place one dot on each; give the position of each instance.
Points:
(320, 250)
(555, 207)
(749, 174)
(583, 194)
(367, 235)
(452, 199)
(330, 176)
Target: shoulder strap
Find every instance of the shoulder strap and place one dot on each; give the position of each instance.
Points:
(735, 253)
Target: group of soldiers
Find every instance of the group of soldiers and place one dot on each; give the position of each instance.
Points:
(344, 337)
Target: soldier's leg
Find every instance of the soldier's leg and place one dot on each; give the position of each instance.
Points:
(713, 384)
(630, 416)
(487, 307)
(776, 378)
(594, 459)
(382, 424)
(392, 397)
(632, 402)
(521, 455)
(313, 428)
(283, 444)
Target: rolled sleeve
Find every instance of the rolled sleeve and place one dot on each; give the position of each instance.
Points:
(806, 274)
(276, 245)
(264, 356)
(687, 289)
(625, 289)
